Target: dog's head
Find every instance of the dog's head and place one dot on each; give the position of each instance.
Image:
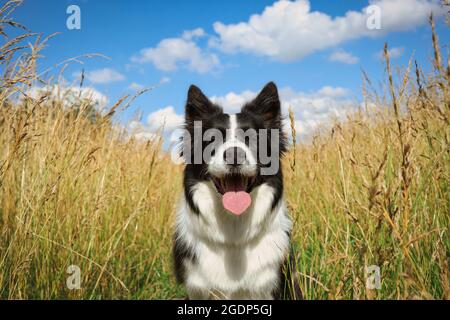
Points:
(236, 152)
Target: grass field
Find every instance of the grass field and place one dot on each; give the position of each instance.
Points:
(75, 189)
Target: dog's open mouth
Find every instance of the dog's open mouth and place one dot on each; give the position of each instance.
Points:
(233, 182)
(235, 190)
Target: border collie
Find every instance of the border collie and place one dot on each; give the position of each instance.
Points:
(232, 229)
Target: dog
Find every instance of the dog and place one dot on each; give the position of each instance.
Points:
(232, 228)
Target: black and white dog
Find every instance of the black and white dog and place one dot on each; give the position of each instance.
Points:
(232, 231)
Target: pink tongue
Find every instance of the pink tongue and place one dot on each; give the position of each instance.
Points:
(236, 202)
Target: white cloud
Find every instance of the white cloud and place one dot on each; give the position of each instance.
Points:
(164, 80)
(172, 53)
(145, 135)
(165, 118)
(316, 108)
(70, 95)
(310, 109)
(140, 131)
(332, 92)
(289, 30)
(394, 52)
(191, 34)
(232, 102)
(344, 57)
(102, 76)
(135, 86)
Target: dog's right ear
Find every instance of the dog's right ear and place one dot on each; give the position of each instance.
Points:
(198, 106)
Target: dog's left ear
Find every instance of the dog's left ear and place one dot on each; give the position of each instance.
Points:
(198, 106)
(266, 105)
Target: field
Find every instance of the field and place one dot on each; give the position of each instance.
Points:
(75, 189)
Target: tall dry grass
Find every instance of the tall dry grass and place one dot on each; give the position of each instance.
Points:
(374, 191)
(77, 190)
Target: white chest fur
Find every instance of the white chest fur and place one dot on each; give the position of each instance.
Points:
(237, 257)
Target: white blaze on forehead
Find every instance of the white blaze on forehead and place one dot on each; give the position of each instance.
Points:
(233, 127)
(217, 164)
(233, 141)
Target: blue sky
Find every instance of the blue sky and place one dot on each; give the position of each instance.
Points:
(313, 50)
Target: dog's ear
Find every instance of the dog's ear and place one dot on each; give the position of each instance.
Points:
(266, 105)
(198, 106)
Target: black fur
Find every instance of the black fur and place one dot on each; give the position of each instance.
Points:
(181, 253)
(288, 288)
(198, 108)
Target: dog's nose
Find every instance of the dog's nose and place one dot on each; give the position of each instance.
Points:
(234, 156)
